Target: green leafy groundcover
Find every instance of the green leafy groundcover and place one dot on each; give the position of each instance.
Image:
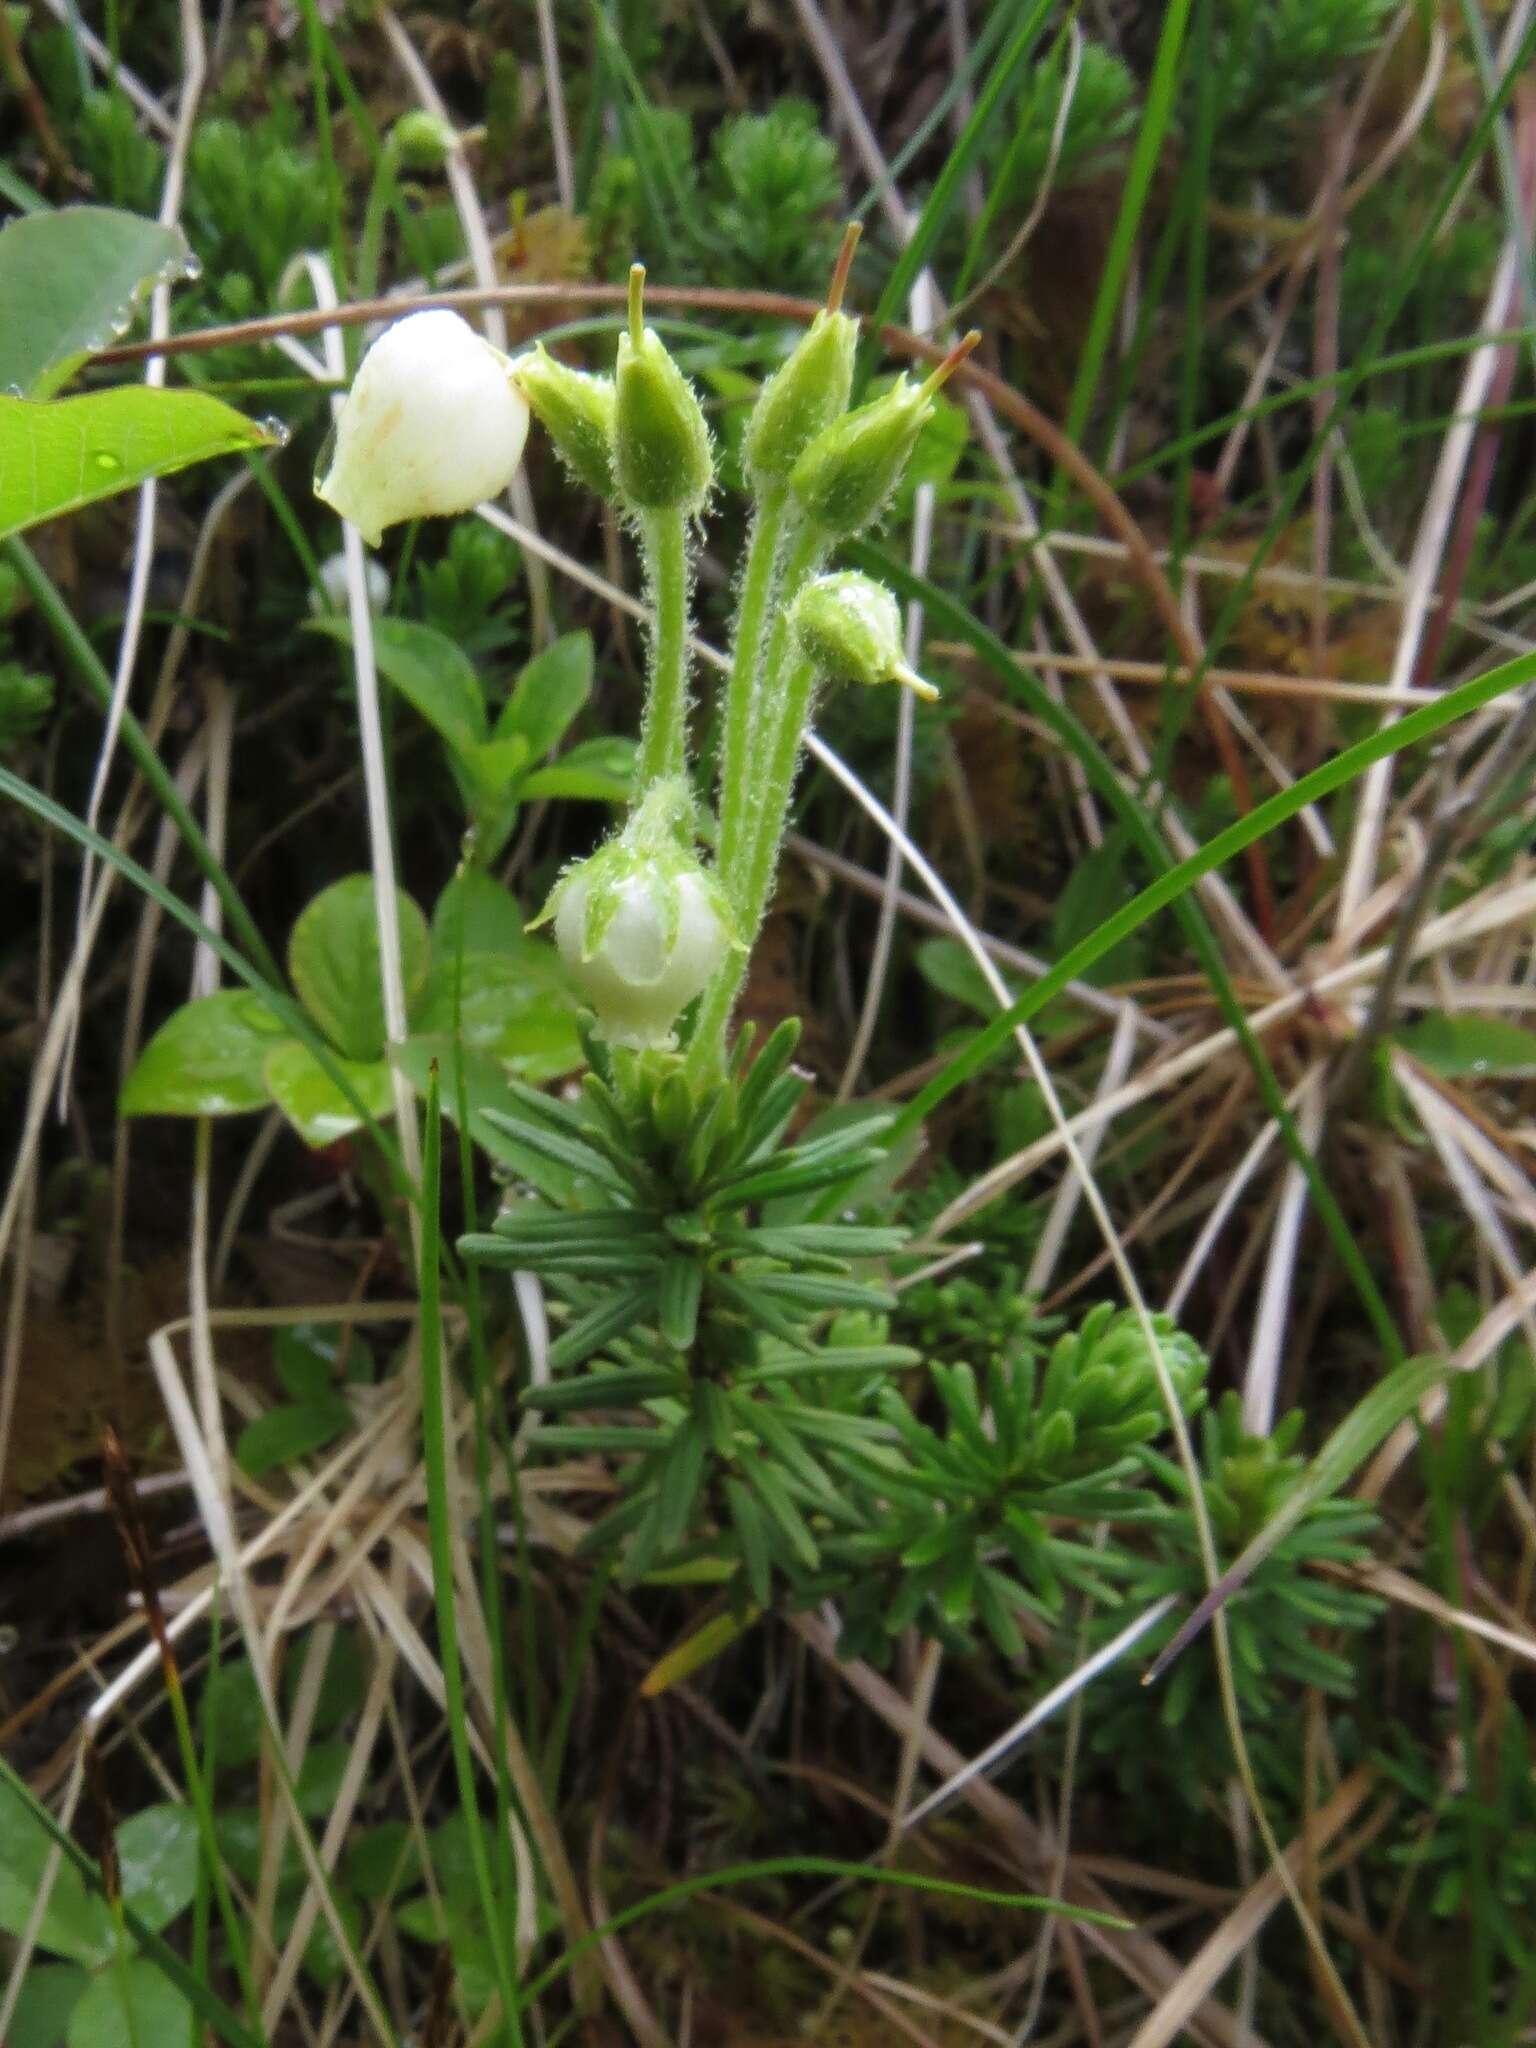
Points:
(228, 1054)
(91, 1992)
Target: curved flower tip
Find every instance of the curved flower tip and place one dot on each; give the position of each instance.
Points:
(433, 425)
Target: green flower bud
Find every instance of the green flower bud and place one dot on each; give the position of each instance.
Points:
(420, 141)
(802, 398)
(662, 456)
(576, 410)
(810, 390)
(848, 628)
(642, 924)
(845, 478)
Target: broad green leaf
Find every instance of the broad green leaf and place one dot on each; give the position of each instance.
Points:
(128, 2008)
(320, 1775)
(341, 1688)
(482, 915)
(57, 454)
(157, 1850)
(311, 1357)
(1451, 1043)
(205, 1060)
(333, 958)
(311, 1100)
(241, 1832)
(946, 966)
(494, 769)
(491, 782)
(76, 1925)
(49, 1994)
(430, 671)
(596, 771)
(292, 1430)
(502, 1009)
(235, 1715)
(1095, 889)
(382, 1859)
(548, 695)
(70, 282)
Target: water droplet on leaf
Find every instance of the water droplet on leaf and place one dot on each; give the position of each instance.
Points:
(277, 431)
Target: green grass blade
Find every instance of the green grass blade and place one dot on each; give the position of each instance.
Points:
(943, 610)
(946, 190)
(440, 1511)
(812, 1866)
(1420, 724)
(1162, 90)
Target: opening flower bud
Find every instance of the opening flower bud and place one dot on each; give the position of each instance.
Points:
(642, 925)
(810, 388)
(431, 426)
(848, 627)
(662, 456)
(845, 478)
(807, 392)
(576, 410)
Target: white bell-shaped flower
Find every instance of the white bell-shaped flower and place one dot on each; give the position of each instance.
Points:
(663, 940)
(642, 925)
(433, 425)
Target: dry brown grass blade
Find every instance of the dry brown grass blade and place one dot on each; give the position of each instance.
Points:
(1136, 1955)
(1177, 2008)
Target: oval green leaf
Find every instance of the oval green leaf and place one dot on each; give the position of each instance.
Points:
(430, 671)
(70, 282)
(157, 1850)
(311, 1100)
(333, 957)
(47, 1998)
(1454, 1044)
(596, 771)
(75, 1923)
(58, 454)
(548, 695)
(128, 2007)
(205, 1060)
(519, 1017)
(293, 1430)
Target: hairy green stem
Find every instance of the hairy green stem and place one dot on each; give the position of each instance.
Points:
(780, 719)
(793, 713)
(663, 731)
(757, 800)
(770, 525)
